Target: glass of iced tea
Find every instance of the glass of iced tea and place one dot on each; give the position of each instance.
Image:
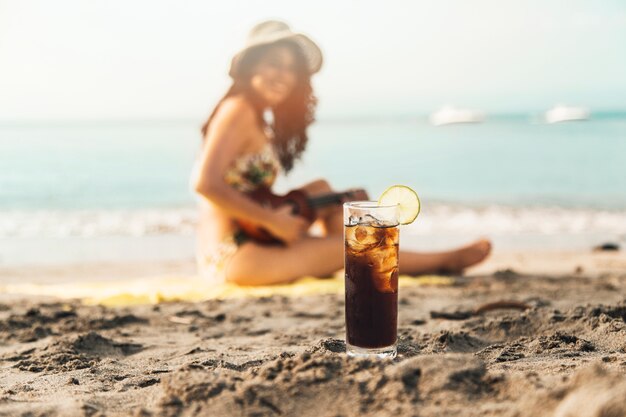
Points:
(371, 235)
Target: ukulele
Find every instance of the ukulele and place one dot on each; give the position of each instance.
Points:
(302, 205)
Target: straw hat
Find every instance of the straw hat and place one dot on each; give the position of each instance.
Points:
(272, 31)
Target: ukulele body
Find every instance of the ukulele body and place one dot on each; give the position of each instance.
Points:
(297, 199)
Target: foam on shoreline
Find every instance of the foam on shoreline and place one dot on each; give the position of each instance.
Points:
(434, 219)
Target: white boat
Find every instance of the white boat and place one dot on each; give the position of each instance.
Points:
(562, 113)
(451, 115)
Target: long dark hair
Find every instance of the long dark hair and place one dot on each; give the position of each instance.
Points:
(291, 117)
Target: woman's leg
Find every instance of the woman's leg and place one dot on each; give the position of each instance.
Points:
(412, 263)
(255, 264)
(456, 260)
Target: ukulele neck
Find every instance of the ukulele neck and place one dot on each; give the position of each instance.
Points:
(326, 199)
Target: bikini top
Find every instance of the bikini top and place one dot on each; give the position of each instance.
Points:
(254, 170)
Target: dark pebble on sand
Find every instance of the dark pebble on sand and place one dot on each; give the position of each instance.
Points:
(607, 247)
(455, 315)
(89, 409)
(557, 317)
(73, 381)
(148, 382)
(334, 345)
(64, 314)
(507, 273)
(142, 412)
(509, 356)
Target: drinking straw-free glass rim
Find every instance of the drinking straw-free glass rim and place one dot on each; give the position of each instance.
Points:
(367, 205)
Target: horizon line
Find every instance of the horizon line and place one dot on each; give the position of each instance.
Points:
(322, 118)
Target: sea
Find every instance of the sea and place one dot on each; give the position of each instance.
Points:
(80, 192)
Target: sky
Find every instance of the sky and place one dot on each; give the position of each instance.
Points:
(154, 59)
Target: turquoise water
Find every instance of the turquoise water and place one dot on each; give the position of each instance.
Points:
(105, 192)
(507, 160)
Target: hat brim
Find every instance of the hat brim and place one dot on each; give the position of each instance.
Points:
(312, 52)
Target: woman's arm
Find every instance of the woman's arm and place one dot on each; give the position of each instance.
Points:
(231, 130)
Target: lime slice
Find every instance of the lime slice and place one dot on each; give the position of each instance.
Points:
(407, 200)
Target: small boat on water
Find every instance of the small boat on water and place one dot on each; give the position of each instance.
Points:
(562, 113)
(451, 115)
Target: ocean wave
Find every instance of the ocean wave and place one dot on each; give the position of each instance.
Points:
(510, 220)
(97, 223)
(496, 219)
(435, 219)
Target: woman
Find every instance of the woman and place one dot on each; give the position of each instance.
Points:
(241, 152)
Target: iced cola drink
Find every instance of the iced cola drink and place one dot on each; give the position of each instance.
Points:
(371, 263)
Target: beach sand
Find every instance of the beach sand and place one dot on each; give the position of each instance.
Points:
(563, 356)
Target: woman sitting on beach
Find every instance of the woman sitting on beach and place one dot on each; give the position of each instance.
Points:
(241, 152)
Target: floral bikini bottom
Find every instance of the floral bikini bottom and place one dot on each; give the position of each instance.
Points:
(213, 266)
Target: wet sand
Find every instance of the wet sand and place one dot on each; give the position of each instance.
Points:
(565, 355)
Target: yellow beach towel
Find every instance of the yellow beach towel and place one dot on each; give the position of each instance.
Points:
(167, 289)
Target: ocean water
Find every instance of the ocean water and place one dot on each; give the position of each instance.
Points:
(526, 184)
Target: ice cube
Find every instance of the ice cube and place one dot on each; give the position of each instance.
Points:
(352, 242)
(382, 258)
(368, 219)
(373, 221)
(384, 263)
(353, 220)
(386, 282)
(369, 236)
(391, 236)
(360, 233)
(390, 261)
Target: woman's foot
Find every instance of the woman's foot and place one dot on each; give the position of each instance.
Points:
(459, 259)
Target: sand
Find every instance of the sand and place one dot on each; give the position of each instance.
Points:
(565, 355)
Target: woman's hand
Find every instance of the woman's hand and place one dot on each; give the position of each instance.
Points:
(286, 226)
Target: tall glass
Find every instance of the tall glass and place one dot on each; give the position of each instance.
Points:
(371, 237)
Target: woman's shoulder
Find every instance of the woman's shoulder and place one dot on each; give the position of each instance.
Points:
(236, 110)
